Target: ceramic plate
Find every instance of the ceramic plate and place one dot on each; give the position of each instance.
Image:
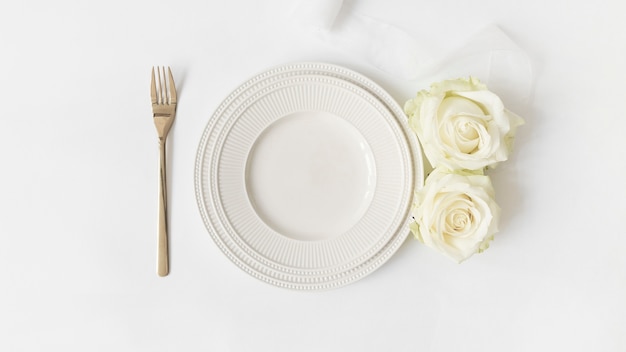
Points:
(305, 176)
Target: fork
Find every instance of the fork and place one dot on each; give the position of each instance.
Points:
(163, 94)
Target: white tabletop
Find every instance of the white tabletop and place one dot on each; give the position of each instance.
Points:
(78, 187)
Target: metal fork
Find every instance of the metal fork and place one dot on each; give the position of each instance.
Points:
(163, 94)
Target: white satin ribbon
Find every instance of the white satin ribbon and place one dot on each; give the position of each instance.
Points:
(490, 55)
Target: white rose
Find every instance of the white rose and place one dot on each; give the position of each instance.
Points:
(455, 213)
(462, 125)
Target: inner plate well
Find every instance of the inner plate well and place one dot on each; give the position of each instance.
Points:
(311, 175)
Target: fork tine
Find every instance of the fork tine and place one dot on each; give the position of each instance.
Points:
(166, 93)
(166, 97)
(161, 79)
(153, 92)
(172, 87)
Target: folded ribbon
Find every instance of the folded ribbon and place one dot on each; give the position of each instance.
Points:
(490, 55)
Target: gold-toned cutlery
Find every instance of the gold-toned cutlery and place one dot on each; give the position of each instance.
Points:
(163, 94)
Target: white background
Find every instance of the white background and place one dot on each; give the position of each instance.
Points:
(78, 187)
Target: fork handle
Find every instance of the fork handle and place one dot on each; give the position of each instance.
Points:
(162, 253)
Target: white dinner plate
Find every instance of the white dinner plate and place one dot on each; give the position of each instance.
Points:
(305, 176)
